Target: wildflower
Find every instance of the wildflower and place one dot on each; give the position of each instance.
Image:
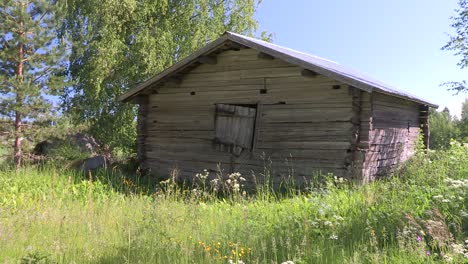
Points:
(287, 262)
(238, 262)
(428, 253)
(447, 258)
(338, 218)
(458, 248)
(333, 237)
(419, 239)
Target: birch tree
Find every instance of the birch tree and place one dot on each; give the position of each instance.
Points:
(117, 44)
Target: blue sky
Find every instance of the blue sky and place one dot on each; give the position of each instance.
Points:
(398, 41)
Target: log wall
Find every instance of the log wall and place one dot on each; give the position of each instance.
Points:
(304, 123)
(142, 132)
(393, 126)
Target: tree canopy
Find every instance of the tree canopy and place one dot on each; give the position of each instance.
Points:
(117, 44)
(459, 44)
(31, 65)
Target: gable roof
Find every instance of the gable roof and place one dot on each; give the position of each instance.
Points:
(321, 66)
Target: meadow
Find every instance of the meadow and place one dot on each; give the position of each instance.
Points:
(49, 214)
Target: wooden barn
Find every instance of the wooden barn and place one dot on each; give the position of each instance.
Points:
(240, 104)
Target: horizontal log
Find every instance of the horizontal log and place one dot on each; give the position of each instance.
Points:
(302, 145)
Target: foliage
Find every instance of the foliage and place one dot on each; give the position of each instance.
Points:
(122, 43)
(463, 124)
(442, 127)
(110, 217)
(31, 66)
(459, 43)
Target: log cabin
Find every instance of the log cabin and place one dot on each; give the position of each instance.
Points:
(244, 105)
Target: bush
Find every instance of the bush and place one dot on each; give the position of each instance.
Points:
(417, 216)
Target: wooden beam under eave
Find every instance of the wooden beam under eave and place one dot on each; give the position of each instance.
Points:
(265, 56)
(174, 79)
(235, 46)
(140, 99)
(208, 60)
(308, 73)
(424, 124)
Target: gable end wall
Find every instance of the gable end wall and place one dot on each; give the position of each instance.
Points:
(391, 126)
(305, 124)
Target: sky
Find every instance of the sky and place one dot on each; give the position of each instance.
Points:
(398, 42)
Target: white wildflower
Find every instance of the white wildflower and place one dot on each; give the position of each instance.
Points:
(457, 248)
(338, 218)
(333, 237)
(230, 261)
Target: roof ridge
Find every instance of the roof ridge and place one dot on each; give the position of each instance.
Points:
(283, 47)
(311, 62)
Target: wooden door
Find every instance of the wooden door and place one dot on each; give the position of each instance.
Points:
(234, 127)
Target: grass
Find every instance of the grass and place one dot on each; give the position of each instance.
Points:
(48, 215)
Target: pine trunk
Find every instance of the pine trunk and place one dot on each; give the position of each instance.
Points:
(19, 102)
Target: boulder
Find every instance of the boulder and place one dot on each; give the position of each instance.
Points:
(81, 141)
(93, 163)
(85, 142)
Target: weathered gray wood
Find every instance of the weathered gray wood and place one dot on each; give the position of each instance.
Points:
(392, 136)
(234, 127)
(308, 73)
(424, 124)
(262, 55)
(258, 117)
(142, 133)
(355, 155)
(207, 59)
(302, 125)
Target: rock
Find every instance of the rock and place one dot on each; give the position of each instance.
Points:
(93, 163)
(42, 147)
(85, 142)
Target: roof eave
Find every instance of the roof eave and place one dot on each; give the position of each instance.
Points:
(127, 96)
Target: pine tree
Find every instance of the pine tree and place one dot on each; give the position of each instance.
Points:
(31, 65)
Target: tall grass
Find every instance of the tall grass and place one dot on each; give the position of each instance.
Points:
(48, 215)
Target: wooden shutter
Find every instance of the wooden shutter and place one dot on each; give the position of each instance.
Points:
(234, 127)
